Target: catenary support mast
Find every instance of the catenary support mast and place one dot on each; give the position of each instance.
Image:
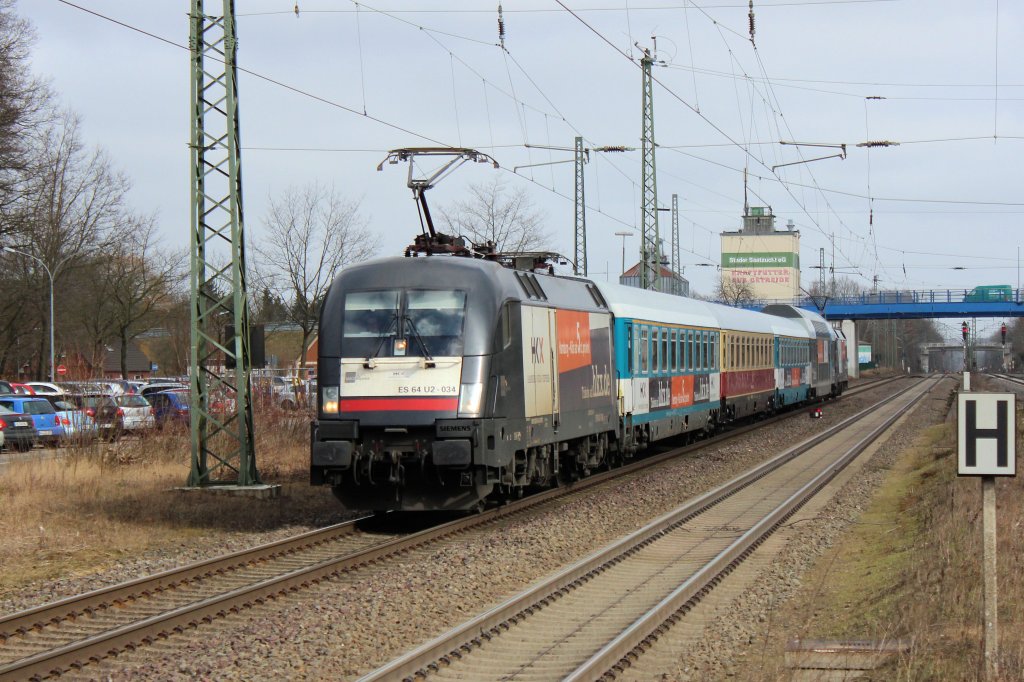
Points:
(650, 246)
(677, 267)
(580, 259)
(222, 427)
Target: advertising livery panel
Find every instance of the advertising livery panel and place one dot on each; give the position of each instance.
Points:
(584, 360)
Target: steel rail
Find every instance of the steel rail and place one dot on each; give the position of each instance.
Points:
(117, 595)
(103, 644)
(448, 645)
(614, 657)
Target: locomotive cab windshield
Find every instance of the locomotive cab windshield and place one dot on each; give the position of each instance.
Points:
(403, 323)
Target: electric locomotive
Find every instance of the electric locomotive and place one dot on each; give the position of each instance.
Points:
(445, 382)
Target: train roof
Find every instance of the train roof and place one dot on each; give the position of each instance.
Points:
(631, 302)
(814, 323)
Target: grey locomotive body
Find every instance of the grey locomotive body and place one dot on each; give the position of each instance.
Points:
(445, 381)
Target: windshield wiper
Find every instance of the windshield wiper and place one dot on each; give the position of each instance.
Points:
(428, 359)
(369, 363)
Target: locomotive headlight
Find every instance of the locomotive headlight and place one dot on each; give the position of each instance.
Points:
(329, 400)
(470, 399)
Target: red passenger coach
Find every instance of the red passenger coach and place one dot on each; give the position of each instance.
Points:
(745, 382)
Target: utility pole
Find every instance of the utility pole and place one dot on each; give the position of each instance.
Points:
(677, 284)
(222, 438)
(580, 262)
(650, 256)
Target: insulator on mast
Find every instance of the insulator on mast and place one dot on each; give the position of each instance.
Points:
(501, 28)
(750, 15)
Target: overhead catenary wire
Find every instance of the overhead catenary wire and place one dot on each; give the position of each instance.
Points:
(754, 122)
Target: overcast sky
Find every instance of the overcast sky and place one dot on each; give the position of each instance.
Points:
(951, 75)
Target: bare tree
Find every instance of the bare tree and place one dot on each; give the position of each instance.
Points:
(734, 293)
(23, 108)
(310, 234)
(74, 207)
(142, 277)
(491, 214)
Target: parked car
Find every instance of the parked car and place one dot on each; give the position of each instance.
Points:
(45, 388)
(150, 389)
(289, 392)
(44, 417)
(97, 406)
(85, 388)
(19, 432)
(170, 407)
(134, 413)
(78, 426)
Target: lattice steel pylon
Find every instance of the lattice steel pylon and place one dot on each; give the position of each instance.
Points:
(580, 262)
(650, 251)
(677, 282)
(222, 426)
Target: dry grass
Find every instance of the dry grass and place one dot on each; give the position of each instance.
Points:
(105, 503)
(911, 569)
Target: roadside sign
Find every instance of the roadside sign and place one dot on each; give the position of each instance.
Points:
(987, 434)
(62, 370)
(153, 367)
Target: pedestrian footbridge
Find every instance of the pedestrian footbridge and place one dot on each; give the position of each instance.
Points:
(897, 305)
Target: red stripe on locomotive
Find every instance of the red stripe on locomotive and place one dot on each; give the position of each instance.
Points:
(399, 404)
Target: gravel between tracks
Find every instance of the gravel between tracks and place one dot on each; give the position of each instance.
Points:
(345, 627)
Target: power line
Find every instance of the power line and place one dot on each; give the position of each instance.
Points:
(790, 3)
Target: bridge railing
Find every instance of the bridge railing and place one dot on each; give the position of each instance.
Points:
(893, 297)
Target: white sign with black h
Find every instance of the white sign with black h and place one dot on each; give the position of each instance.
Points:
(987, 434)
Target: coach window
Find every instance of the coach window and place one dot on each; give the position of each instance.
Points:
(655, 343)
(664, 349)
(672, 352)
(714, 351)
(629, 348)
(644, 350)
(703, 350)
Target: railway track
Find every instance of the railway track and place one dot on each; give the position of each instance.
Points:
(1009, 378)
(70, 633)
(592, 619)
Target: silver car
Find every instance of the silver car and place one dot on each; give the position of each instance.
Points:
(134, 414)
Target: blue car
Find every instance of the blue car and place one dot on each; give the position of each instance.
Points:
(43, 415)
(170, 407)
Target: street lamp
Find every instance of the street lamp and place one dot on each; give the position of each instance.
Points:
(623, 235)
(50, 275)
